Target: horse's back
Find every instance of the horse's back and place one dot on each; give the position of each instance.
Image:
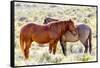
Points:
(83, 26)
(27, 26)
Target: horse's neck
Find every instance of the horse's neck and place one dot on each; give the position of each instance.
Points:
(62, 28)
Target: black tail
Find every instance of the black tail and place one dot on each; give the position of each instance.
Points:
(90, 39)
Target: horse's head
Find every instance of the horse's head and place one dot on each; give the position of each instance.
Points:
(48, 19)
(71, 27)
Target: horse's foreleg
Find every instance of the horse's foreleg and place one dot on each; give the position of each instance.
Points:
(26, 51)
(63, 46)
(50, 48)
(54, 47)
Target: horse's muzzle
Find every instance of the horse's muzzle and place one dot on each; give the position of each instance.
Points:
(74, 33)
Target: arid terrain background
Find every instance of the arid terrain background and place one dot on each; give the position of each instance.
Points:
(36, 13)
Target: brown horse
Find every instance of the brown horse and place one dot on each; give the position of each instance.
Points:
(47, 33)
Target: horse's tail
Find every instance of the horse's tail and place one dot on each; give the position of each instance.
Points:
(90, 40)
(22, 45)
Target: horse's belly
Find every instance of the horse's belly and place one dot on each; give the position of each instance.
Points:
(40, 41)
(69, 37)
(40, 38)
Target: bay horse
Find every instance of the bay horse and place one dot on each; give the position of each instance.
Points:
(46, 33)
(84, 34)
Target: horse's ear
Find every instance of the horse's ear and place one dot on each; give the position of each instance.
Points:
(70, 19)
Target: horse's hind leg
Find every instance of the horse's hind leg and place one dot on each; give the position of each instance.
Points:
(26, 50)
(22, 45)
(86, 46)
(90, 47)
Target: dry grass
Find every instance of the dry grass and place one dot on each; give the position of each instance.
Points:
(36, 13)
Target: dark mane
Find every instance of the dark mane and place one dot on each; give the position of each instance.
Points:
(55, 25)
